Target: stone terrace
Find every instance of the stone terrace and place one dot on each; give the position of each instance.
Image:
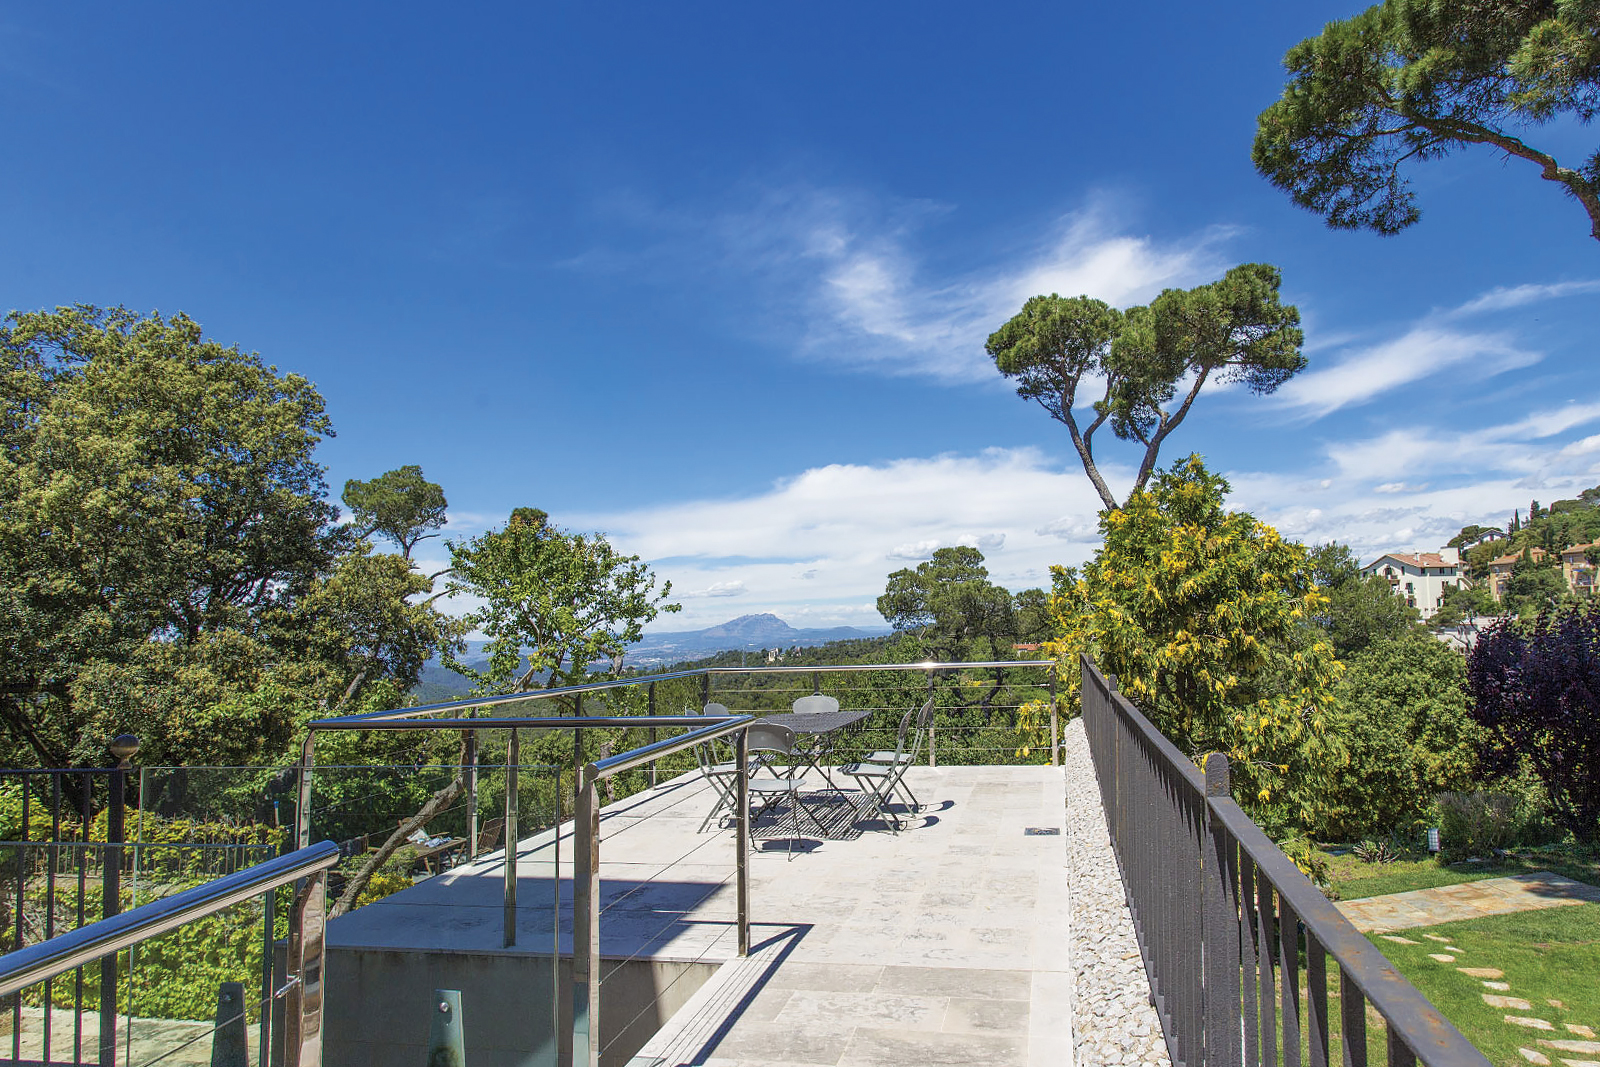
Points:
(945, 943)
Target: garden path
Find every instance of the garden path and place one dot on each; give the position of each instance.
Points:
(1466, 900)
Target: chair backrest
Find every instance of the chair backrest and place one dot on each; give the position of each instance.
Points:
(489, 834)
(924, 720)
(769, 737)
(704, 752)
(816, 702)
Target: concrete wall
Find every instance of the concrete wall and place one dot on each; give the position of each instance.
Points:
(380, 1002)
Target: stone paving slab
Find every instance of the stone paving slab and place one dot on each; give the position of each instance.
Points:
(944, 943)
(1466, 900)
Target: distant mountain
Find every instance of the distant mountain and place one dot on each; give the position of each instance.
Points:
(745, 632)
(750, 632)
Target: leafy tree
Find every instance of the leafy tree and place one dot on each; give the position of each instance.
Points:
(1472, 534)
(400, 505)
(1401, 714)
(1535, 686)
(157, 488)
(951, 606)
(1535, 586)
(1359, 610)
(1034, 623)
(1200, 613)
(554, 602)
(1231, 330)
(1462, 602)
(1412, 80)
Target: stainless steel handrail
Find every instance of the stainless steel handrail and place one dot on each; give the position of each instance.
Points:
(62, 953)
(646, 679)
(717, 725)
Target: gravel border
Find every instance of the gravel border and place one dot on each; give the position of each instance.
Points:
(1113, 1022)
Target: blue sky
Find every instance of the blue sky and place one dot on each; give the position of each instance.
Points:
(715, 279)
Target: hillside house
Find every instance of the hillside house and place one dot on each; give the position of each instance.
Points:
(1500, 570)
(1577, 570)
(1419, 578)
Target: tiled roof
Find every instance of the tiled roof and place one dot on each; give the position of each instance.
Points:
(1415, 559)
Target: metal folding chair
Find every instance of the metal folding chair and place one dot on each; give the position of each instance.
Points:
(770, 784)
(723, 775)
(881, 780)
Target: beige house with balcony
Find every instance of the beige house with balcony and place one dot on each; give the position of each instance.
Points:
(1577, 570)
(1500, 570)
(1419, 578)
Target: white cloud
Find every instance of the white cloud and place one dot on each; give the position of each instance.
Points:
(1377, 372)
(819, 546)
(849, 276)
(1506, 297)
(876, 301)
(715, 589)
(1399, 487)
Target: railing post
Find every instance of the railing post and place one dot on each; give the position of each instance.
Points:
(741, 835)
(586, 925)
(123, 747)
(1220, 931)
(651, 710)
(303, 1017)
(1055, 722)
(446, 1042)
(509, 916)
(229, 1041)
(933, 718)
(471, 770)
(308, 755)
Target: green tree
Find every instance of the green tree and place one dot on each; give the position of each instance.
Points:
(1535, 586)
(1200, 612)
(1231, 330)
(1359, 610)
(1412, 80)
(401, 505)
(1403, 718)
(554, 602)
(156, 488)
(951, 606)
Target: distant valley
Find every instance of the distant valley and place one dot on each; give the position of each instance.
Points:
(747, 632)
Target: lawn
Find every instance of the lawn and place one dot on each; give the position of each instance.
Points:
(1547, 954)
(1354, 879)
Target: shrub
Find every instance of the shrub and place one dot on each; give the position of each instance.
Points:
(1536, 692)
(1403, 719)
(1477, 824)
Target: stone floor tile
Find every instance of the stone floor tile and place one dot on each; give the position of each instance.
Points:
(1501, 986)
(1557, 1004)
(1538, 1059)
(825, 977)
(985, 1016)
(888, 1011)
(974, 983)
(1581, 1031)
(1482, 972)
(1436, 937)
(1580, 1063)
(1400, 940)
(897, 1048)
(778, 1043)
(1530, 1023)
(1441, 957)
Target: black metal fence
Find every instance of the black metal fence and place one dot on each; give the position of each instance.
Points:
(1244, 978)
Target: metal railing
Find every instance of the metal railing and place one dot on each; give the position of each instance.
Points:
(302, 993)
(1226, 976)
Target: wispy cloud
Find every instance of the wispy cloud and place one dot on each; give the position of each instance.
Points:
(846, 277)
(1422, 352)
(1505, 297)
(715, 589)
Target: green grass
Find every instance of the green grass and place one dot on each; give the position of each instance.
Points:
(1549, 953)
(1354, 879)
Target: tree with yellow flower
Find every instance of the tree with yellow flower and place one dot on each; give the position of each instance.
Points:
(1199, 611)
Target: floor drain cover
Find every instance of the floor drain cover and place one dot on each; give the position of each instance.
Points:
(1042, 831)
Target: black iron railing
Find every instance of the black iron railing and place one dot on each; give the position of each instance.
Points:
(1243, 978)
